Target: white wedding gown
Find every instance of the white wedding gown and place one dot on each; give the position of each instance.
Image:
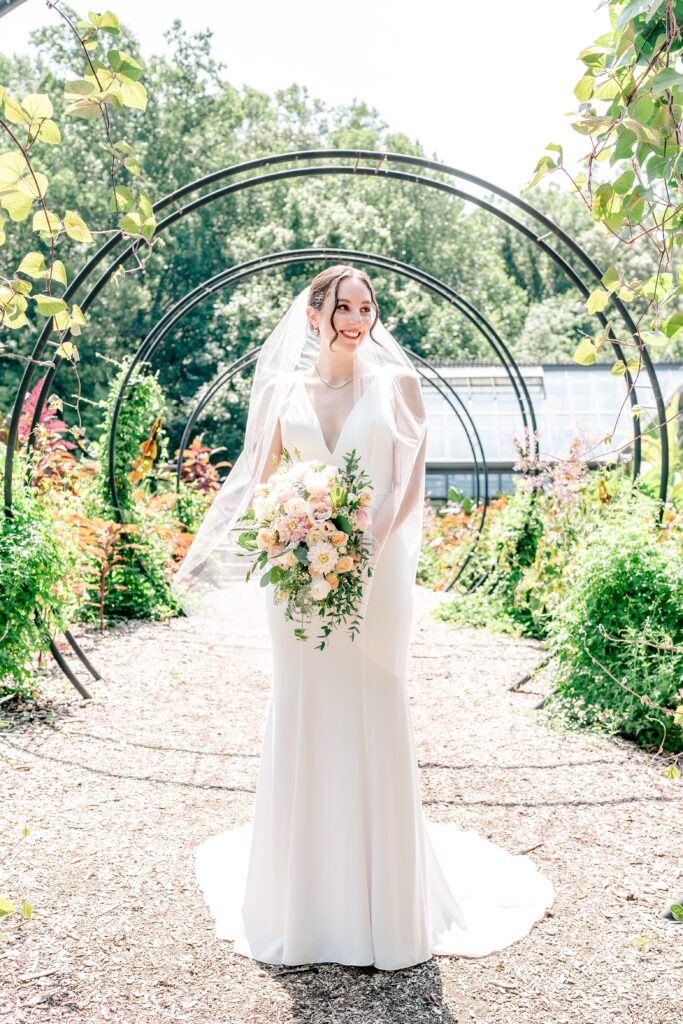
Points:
(340, 863)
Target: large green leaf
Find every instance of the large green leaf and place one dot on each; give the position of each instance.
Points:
(631, 11)
(76, 228)
(585, 352)
(125, 64)
(673, 324)
(12, 167)
(597, 300)
(80, 88)
(17, 204)
(133, 93)
(33, 265)
(46, 221)
(34, 185)
(48, 305)
(49, 132)
(37, 105)
(583, 90)
(669, 78)
(624, 182)
(87, 109)
(14, 112)
(611, 279)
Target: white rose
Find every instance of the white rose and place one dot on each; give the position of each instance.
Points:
(260, 507)
(315, 483)
(296, 506)
(320, 588)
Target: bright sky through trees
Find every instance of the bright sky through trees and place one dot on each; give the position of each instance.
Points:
(483, 86)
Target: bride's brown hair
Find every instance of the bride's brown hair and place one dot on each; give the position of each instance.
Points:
(330, 277)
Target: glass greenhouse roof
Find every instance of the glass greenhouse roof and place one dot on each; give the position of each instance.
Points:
(568, 400)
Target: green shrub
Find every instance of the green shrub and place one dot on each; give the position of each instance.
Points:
(480, 610)
(139, 586)
(32, 570)
(621, 615)
(527, 544)
(143, 404)
(506, 549)
(191, 506)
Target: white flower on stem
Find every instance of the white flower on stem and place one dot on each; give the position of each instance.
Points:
(322, 558)
(316, 482)
(320, 588)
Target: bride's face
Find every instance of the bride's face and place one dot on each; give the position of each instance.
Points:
(352, 318)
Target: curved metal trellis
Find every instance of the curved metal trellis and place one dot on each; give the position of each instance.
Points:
(180, 309)
(380, 170)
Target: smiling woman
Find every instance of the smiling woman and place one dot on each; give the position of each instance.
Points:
(341, 313)
(339, 863)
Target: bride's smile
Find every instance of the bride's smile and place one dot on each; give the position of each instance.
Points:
(344, 320)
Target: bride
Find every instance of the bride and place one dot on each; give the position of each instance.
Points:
(339, 863)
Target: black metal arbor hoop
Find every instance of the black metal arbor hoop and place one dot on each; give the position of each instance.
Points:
(175, 314)
(381, 169)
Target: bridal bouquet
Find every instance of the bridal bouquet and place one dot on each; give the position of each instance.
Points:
(307, 528)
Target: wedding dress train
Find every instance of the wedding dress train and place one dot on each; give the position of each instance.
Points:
(340, 863)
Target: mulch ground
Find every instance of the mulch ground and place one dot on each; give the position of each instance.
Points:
(117, 792)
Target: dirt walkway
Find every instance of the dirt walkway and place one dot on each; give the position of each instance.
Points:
(119, 790)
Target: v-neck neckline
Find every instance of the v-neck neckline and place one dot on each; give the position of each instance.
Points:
(331, 451)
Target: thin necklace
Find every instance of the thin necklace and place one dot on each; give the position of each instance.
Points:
(333, 385)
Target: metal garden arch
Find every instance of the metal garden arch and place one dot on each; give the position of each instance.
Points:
(366, 162)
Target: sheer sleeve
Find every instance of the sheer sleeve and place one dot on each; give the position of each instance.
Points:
(408, 461)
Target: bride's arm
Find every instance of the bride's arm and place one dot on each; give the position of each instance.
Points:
(387, 518)
(384, 519)
(274, 452)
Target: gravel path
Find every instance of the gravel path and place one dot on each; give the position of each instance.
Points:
(117, 792)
